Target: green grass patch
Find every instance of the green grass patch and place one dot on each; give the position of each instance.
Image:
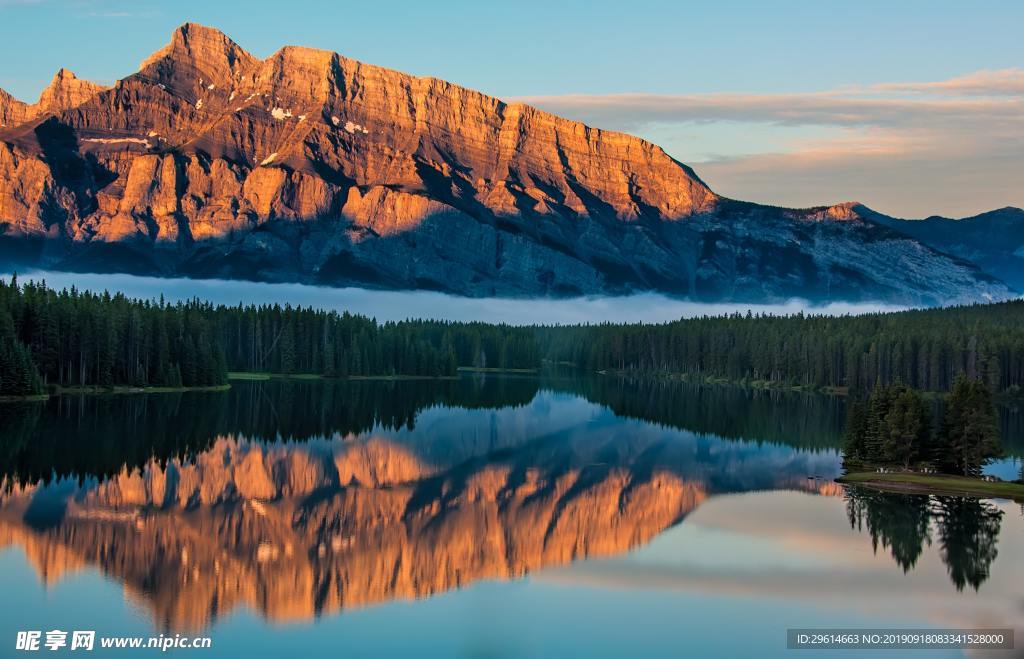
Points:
(721, 381)
(23, 399)
(396, 378)
(248, 376)
(263, 376)
(120, 389)
(260, 376)
(935, 484)
(478, 369)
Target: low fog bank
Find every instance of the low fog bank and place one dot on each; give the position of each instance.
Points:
(401, 305)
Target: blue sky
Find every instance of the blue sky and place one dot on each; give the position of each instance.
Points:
(708, 81)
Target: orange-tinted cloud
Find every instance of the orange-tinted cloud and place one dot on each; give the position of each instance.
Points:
(952, 147)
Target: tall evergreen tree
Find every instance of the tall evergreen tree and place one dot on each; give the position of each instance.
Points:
(854, 438)
(876, 430)
(907, 434)
(969, 437)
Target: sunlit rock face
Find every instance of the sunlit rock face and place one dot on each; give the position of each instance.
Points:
(64, 92)
(308, 166)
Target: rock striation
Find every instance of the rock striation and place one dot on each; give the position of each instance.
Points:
(308, 166)
(64, 92)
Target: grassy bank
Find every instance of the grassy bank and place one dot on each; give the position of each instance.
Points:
(1008, 397)
(934, 484)
(96, 390)
(773, 385)
(240, 376)
(90, 389)
(477, 369)
(263, 376)
(23, 399)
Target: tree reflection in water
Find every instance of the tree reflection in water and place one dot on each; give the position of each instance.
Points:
(965, 529)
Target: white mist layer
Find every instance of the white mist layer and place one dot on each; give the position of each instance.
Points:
(402, 305)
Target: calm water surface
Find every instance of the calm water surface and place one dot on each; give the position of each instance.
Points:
(495, 517)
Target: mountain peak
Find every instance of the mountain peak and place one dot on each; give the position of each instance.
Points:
(189, 30)
(66, 91)
(310, 166)
(6, 98)
(1006, 214)
(846, 208)
(193, 37)
(12, 111)
(842, 212)
(198, 53)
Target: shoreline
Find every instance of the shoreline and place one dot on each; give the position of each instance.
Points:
(97, 390)
(1002, 397)
(264, 376)
(116, 390)
(511, 371)
(24, 399)
(713, 380)
(938, 484)
(125, 389)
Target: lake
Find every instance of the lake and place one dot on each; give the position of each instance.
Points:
(487, 516)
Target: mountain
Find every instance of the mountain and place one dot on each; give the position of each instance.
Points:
(64, 92)
(993, 240)
(308, 166)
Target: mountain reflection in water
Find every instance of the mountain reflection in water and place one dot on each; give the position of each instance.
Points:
(301, 499)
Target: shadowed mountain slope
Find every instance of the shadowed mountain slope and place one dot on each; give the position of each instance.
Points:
(308, 166)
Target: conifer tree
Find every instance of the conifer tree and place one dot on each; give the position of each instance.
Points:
(875, 428)
(969, 437)
(854, 444)
(907, 434)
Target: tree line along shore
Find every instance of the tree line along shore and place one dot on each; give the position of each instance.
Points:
(53, 341)
(73, 338)
(898, 440)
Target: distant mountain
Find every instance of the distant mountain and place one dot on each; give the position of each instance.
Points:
(993, 240)
(64, 92)
(308, 166)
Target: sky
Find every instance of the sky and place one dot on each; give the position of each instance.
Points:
(912, 108)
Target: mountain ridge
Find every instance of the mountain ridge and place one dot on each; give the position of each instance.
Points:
(309, 166)
(993, 240)
(64, 92)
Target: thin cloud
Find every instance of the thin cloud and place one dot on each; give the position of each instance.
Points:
(798, 109)
(1004, 82)
(953, 147)
(402, 305)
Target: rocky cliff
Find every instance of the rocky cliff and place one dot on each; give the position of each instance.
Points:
(64, 92)
(308, 166)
